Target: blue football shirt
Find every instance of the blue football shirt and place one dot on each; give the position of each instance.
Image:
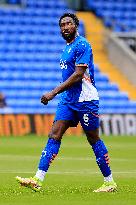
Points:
(79, 52)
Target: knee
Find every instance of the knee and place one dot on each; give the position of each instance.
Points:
(54, 136)
(93, 136)
(93, 139)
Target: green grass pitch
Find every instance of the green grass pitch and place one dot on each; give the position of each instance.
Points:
(72, 176)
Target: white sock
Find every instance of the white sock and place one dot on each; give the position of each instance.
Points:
(109, 178)
(40, 174)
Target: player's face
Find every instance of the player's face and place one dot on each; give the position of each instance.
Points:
(68, 28)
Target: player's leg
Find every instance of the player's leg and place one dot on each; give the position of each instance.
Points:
(48, 154)
(64, 118)
(89, 120)
(60, 125)
(102, 159)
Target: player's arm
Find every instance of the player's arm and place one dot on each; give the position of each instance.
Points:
(74, 78)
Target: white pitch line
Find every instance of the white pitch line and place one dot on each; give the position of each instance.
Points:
(84, 172)
(29, 158)
(92, 159)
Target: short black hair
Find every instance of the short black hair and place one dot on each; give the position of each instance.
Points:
(73, 16)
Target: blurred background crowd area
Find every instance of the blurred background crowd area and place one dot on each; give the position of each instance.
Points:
(31, 44)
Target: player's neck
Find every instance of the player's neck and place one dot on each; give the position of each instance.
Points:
(72, 40)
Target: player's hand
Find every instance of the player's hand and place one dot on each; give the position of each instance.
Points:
(47, 97)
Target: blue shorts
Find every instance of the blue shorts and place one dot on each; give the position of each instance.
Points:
(87, 113)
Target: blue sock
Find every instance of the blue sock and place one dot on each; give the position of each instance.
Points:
(49, 153)
(102, 157)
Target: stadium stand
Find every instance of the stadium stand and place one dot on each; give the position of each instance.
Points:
(30, 46)
(117, 15)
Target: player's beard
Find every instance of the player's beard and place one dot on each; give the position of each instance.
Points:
(69, 37)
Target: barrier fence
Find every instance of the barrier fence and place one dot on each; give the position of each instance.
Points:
(24, 124)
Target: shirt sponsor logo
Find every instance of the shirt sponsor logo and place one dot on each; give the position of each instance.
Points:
(63, 64)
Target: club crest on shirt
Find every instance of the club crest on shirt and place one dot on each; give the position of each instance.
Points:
(69, 50)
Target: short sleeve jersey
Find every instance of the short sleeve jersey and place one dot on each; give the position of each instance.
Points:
(77, 53)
